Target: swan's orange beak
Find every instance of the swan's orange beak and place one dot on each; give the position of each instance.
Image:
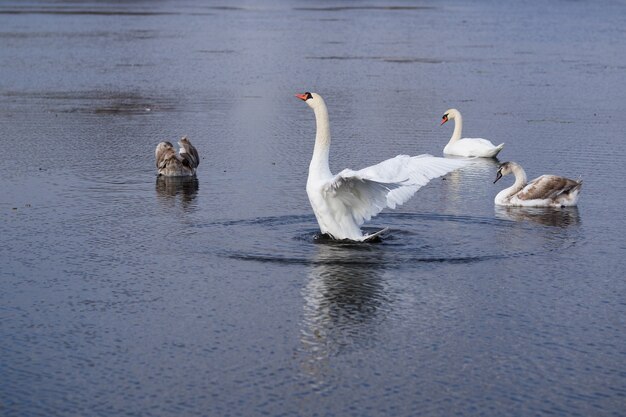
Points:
(443, 120)
(301, 96)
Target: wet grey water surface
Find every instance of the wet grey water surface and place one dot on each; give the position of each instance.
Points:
(122, 294)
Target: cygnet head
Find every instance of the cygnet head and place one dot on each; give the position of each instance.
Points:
(449, 115)
(184, 141)
(163, 151)
(312, 99)
(505, 168)
(163, 147)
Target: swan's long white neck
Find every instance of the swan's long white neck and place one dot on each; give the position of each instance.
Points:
(458, 127)
(520, 182)
(319, 167)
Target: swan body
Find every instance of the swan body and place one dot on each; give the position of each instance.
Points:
(171, 164)
(467, 147)
(544, 191)
(343, 202)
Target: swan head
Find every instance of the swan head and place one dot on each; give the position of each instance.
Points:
(163, 152)
(450, 114)
(185, 145)
(314, 100)
(505, 168)
(164, 147)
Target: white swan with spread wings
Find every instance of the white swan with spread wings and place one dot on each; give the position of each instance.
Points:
(343, 202)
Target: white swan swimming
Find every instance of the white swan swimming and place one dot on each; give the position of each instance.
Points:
(170, 164)
(343, 202)
(467, 146)
(545, 191)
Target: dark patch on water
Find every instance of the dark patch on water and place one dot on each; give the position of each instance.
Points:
(85, 12)
(98, 101)
(552, 120)
(228, 8)
(216, 51)
(395, 60)
(357, 8)
(413, 60)
(128, 35)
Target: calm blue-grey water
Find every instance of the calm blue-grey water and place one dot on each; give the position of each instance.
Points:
(124, 295)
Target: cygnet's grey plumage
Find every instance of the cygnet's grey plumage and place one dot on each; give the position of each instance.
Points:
(181, 164)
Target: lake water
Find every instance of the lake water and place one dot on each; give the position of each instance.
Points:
(121, 294)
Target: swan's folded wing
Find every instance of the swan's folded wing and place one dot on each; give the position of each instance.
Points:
(410, 173)
(479, 143)
(474, 146)
(547, 187)
(188, 160)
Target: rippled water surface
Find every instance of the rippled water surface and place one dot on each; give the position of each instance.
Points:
(124, 294)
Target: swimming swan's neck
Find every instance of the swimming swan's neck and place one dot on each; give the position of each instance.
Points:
(520, 182)
(458, 128)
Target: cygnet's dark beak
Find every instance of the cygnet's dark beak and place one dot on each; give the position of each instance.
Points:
(498, 176)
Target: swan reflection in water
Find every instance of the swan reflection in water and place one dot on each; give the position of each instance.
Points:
(169, 188)
(557, 231)
(547, 216)
(472, 178)
(345, 300)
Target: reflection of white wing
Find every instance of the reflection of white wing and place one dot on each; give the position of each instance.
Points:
(366, 192)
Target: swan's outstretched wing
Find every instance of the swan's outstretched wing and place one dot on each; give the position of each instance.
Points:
(413, 172)
(366, 192)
